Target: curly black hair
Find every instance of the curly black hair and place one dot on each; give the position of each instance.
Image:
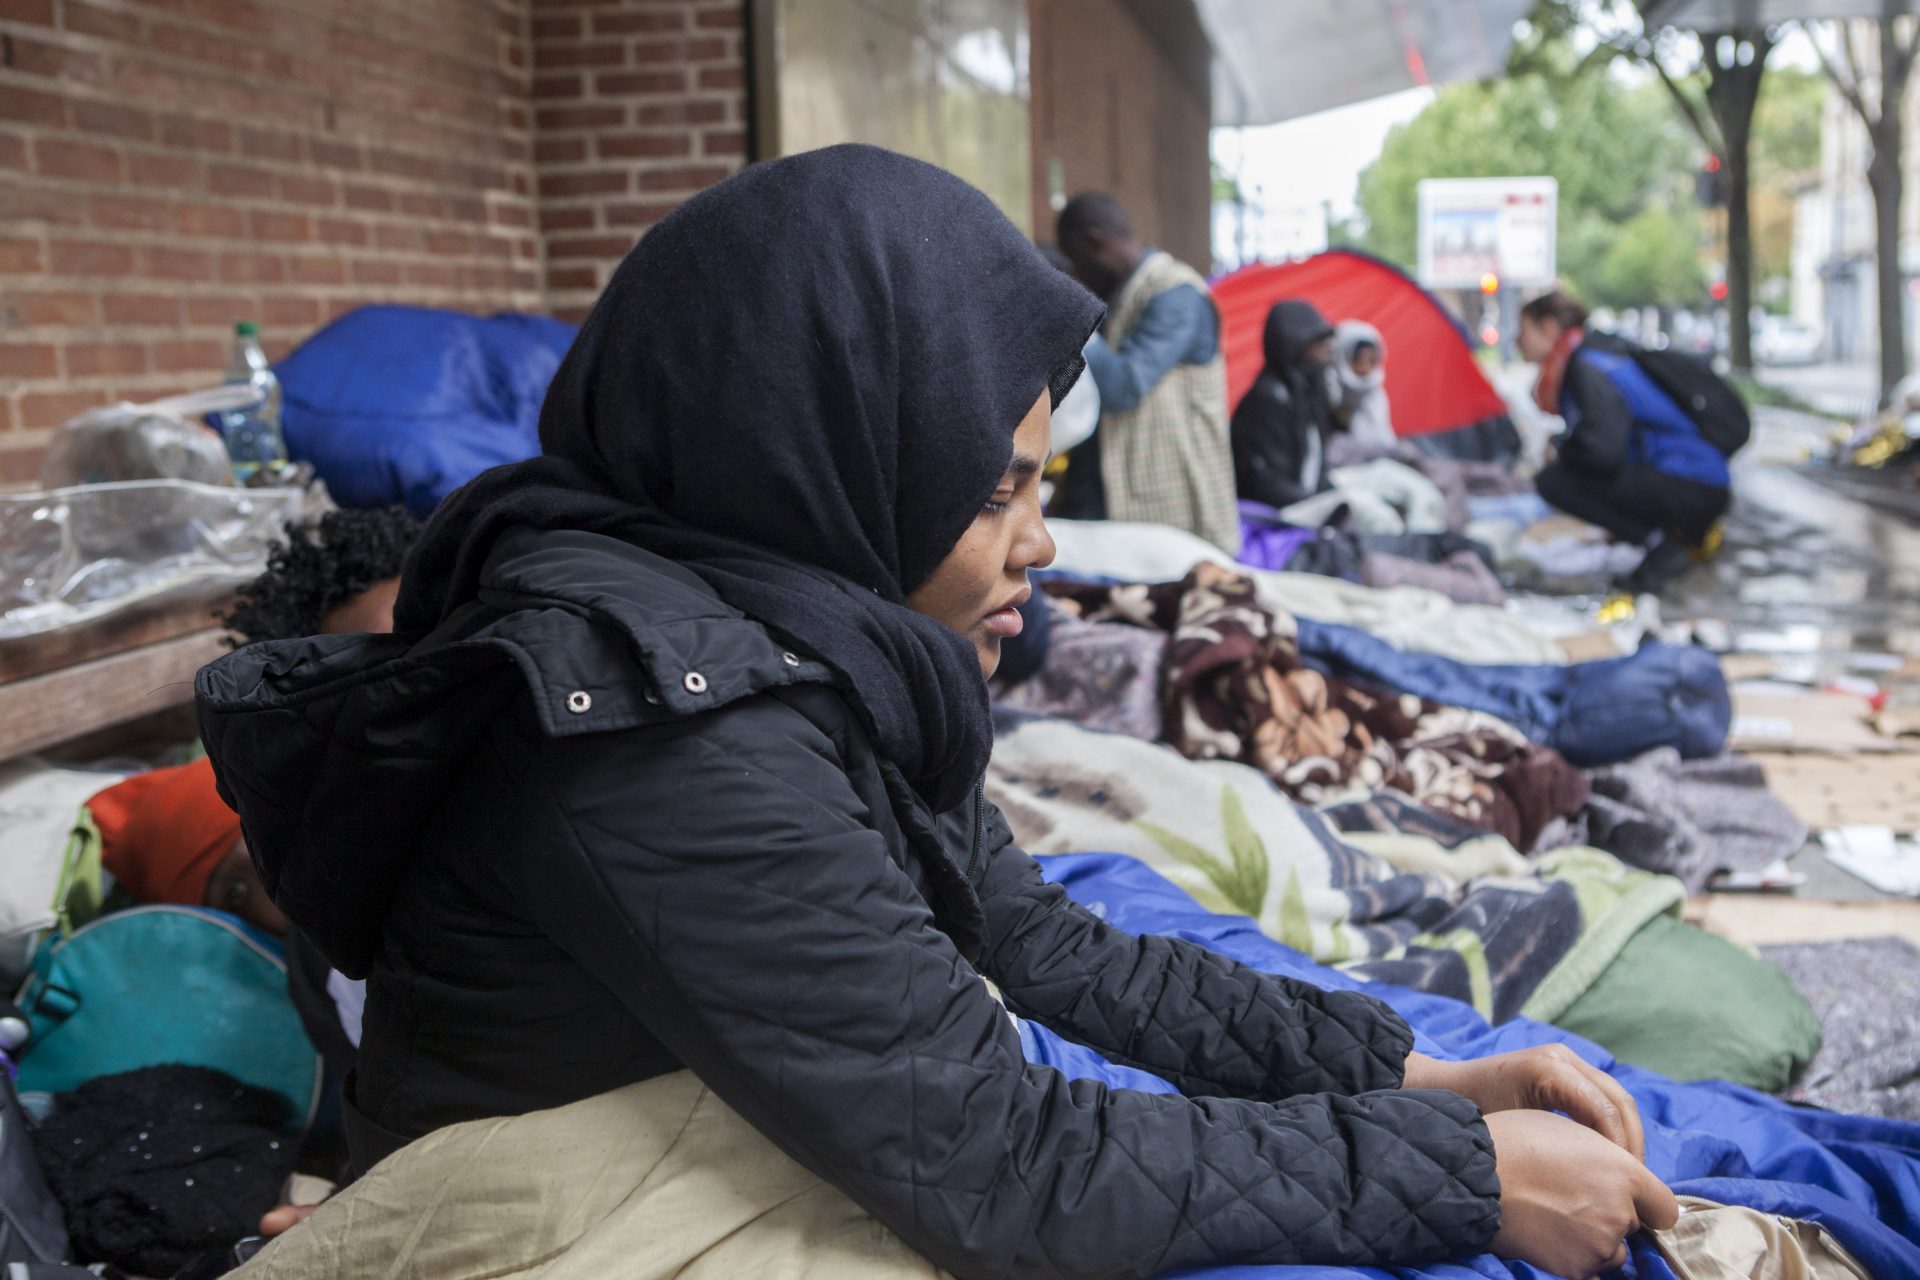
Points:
(319, 568)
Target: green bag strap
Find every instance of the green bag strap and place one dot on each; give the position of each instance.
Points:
(78, 892)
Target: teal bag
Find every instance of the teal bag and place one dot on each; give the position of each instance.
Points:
(163, 984)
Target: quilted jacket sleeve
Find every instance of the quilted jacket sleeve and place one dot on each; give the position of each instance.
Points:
(722, 880)
(1208, 1024)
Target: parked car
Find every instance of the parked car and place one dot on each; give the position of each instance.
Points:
(1779, 340)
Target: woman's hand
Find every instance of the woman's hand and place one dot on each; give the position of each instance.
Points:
(1569, 1199)
(286, 1217)
(1546, 1078)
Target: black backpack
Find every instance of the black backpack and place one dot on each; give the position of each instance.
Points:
(1691, 383)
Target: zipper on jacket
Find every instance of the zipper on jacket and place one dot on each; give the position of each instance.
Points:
(979, 827)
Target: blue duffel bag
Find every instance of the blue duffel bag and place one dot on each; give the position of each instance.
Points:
(400, 406)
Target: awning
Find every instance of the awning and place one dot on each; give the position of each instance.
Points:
(1735, 15)
(1277, 60)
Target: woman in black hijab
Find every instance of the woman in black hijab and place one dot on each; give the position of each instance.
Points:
(675, 760)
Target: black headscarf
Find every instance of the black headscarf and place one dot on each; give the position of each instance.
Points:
(802, 385)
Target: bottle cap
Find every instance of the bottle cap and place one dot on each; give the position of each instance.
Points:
(246, 329)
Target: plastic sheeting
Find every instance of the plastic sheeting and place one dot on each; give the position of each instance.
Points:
(68, 556)
(159, 441)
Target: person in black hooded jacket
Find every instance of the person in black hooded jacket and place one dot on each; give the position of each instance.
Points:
(1281, 425)
(674, 763)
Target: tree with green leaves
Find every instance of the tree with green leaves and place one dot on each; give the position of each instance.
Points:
(1614, 148)
(1654, 260)
(1713, 79)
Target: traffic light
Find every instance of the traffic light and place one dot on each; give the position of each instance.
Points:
(1710, 183)
(1489, 284)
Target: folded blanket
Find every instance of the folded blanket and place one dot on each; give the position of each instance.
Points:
(1407, 618)
(1690, 818)
(1869, 1063)
(1462, 576)
(1429, 903)
(1235, 688)
(1096, 674)
(1414, 619)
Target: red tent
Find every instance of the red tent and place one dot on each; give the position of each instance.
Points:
(1433, 380)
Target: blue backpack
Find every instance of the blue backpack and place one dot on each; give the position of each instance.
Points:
(163, 984)
(1706, 398)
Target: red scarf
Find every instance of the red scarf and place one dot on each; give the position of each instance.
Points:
(1553, 370)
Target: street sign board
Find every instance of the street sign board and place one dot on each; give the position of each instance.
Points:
(1473, 228)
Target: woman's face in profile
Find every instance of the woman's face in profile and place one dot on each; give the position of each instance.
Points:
(983, 580)
(1537, 338)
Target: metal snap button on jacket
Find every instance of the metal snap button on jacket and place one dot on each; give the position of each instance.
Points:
(695, 682)
(579, 700)
(791, 660)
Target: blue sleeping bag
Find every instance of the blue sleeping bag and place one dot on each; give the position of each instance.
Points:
(1593, 713)
(1857, 1177)
(403, 405)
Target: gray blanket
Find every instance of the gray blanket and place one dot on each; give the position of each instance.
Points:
(1869, 1064)
(1689, 818)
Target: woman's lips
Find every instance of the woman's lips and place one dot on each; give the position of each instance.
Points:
(1005, 623)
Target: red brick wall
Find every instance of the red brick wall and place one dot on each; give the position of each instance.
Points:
(1121, 101)
(170, 166)
(637, 105)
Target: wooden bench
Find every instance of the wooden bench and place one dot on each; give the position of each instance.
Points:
(119, 668)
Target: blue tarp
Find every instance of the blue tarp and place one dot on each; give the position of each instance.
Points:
(1858, 1177)
(1593, 713)
(403, 405)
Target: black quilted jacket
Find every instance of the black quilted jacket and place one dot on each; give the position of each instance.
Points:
(600, 827)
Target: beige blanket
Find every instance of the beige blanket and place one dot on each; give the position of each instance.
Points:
(659, 1179)
(662, 1180)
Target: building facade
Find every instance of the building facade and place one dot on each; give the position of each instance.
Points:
(168, 167)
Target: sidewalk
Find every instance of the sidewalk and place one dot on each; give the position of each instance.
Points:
(1808, 576)
(1849, 390)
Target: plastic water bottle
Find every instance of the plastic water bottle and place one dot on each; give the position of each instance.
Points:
(252, 433)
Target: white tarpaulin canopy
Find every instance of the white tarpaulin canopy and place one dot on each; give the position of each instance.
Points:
(1734, 15)
(1278, 59)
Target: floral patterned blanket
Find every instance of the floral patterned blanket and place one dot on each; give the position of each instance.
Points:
(1234, 687)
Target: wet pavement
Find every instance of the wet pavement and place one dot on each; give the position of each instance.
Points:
(1800, 556)
(1810, 575)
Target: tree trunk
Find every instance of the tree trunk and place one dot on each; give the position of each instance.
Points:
(1884, 176)
(1733, 91)
(1739, 256)
(1887, 184)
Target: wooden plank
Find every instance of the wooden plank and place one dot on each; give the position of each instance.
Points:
(42, 710)
(131, 628)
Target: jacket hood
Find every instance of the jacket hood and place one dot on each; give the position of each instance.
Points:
(1347, 335)
(337, 751)
(1292, 327)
